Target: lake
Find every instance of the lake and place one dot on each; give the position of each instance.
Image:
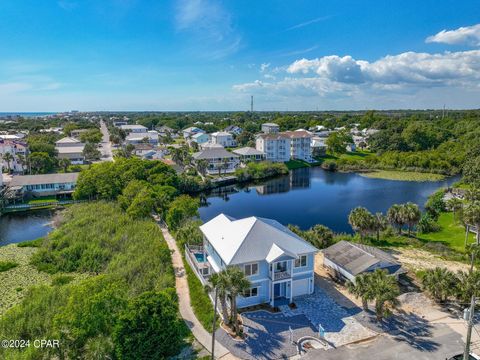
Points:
(310, 196)
(24, 226)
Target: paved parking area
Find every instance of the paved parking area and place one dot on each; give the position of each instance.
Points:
(269, 334)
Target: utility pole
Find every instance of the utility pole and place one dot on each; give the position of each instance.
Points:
(466, 354)
(214, 323)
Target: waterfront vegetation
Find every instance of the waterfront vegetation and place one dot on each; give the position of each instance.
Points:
(261, 170)
(402, 175)
(128, 278)
(7, 265)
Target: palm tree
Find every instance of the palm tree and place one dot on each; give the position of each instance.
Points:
(361, 289)
(361, 221)
(471, 216)
(411, 214)
(454, 204)
(396, 216)
(21, 161)
(237, 285)
(380, 223)
(473, 250)
(467, 284)
(64, 163)
(225, 165)
(439, 282)
(8, 158)
(385, 291)
(202, 166)
(220, 282)
(177, 156)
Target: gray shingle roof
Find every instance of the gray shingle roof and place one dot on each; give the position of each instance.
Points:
(357, 258)
(22, 180)
(213, 153)
(248, 151)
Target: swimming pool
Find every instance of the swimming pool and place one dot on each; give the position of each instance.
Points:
(200, 257)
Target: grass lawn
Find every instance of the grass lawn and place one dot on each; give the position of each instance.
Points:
(452, 233)
(354, 155)
(403, 175)
(46, 199)
(201, 304)
(296, 164)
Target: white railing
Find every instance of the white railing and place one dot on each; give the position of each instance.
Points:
(281, 275)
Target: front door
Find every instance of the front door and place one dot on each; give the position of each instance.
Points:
(278, 290)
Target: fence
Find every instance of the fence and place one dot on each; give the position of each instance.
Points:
(25, 207)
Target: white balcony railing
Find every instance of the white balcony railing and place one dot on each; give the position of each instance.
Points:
(281, 275)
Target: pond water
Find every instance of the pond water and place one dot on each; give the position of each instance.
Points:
(24, 226)
(312, 196)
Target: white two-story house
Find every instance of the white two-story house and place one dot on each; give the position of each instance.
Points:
(218, 160)
(223, 138)
(278, 263)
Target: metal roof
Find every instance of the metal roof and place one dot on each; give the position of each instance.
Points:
(357, 258)
(248, 151)
(213, 153)
(60, 178)
(252, 239)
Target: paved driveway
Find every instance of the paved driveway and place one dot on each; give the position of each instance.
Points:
(269, 334)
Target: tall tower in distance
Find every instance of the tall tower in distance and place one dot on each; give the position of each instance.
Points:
(251, 103)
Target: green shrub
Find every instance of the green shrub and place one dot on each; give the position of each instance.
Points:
(150, 328)
(60, 280)
(329, 165)
(7, 265)
(31, 243)
(260, 170)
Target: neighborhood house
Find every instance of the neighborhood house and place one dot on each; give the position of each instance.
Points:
(285, 146)
(278, 263)
(71, 149)
(43, 185)
(218, 160)
(347, 260)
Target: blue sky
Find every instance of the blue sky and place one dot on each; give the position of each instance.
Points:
(212, 55)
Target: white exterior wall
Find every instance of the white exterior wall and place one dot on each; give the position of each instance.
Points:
(300, 148)
(328, 263)
(8, 147)
(276, 150)
(224, 140)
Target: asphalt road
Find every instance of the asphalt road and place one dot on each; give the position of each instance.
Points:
(440, 343)
(106, 148)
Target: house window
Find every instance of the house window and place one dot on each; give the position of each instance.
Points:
(251, 292)
(251, 269)
(301, 261)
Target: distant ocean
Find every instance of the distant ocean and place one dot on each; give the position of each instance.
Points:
(26, 114)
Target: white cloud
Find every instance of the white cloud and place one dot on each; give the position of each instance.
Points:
(406, 68)
(468, 35)
(264, 67)
(394, 79)
(210, 26)
(13, 87)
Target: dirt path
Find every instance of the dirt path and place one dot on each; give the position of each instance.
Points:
(181, 285)
(416, 259)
